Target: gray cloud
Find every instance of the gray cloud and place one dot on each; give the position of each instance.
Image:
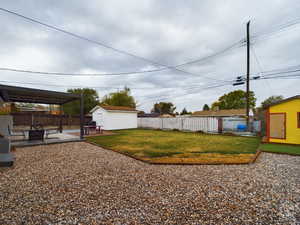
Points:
(169, 32)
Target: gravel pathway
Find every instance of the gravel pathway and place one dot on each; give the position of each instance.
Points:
(78, 183)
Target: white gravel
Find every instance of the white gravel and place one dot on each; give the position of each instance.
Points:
(78, 183)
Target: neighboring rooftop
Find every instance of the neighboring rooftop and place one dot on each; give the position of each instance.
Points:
(149, 115)
(284, 100)
(221, 113)
(37, 108)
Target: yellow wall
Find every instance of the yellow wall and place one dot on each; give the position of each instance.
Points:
(292, 131)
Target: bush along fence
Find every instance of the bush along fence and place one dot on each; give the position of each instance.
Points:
(205, 124)
(26, 119)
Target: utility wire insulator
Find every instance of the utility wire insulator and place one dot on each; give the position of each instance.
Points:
(238, 83)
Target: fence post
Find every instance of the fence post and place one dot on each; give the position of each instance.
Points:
(181, 123)
(60, 119)
(220, 125)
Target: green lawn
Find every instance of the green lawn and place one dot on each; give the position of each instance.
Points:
(174, 146)
(281, 148)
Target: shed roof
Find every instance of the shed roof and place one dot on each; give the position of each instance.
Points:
(31, 95)
(284, 100)
(223, 112)
(123, 108)
(115, 108)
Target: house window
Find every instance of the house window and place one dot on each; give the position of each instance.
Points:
(298, 119)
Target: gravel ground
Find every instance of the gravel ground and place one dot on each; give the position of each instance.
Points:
(79, 183)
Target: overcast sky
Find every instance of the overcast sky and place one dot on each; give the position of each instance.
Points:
(168, 32)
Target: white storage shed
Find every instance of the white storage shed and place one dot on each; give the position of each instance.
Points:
(115, 117)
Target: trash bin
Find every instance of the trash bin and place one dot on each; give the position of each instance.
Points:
(241, 127)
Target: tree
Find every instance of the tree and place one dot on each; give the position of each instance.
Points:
(205, 107)
(163, 108)
(234, 100)
(120, 98)
(14, 108)
(90, 98)
(272, 99)
(185, 112)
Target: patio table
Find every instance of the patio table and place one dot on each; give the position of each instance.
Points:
(87, 129)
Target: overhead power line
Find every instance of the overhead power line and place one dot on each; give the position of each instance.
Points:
(294, 76)
(124, 73)
(93, 87)
(275, 30)
(184, 95)
(237, 44)
(165, 67)
(194, 89)
(200, 89)
(77, 36)
(262, 75)
(78, 74)
(100, 43)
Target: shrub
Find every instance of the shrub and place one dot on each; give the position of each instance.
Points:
(200, 132)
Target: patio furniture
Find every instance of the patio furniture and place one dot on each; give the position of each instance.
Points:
(99, 129)
(51, 131)
(38, 96)
(16, 133)
(89, 128)
(86, 130)
(36, 132)
(6, 157)
(35, 135)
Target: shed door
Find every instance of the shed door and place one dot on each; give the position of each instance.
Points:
(99, 118)
(277, 125)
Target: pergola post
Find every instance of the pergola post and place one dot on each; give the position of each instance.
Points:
(81, 116)
(60, 119)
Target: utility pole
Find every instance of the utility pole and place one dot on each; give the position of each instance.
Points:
(248, 76)
(240, 80)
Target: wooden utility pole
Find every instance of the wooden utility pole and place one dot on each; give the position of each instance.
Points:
(248, 76)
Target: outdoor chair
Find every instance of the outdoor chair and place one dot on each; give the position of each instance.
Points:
(16, 134)
(51, 131)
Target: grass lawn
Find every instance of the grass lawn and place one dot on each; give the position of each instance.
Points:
(158, 146)
(281, 148)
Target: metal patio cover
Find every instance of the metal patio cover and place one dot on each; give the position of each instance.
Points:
(31, 95)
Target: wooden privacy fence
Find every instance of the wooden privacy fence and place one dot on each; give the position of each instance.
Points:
(206, 124)
(26, 119)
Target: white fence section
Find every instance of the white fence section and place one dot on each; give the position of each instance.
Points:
(231, 123)
(206, 124)
(257, 126)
